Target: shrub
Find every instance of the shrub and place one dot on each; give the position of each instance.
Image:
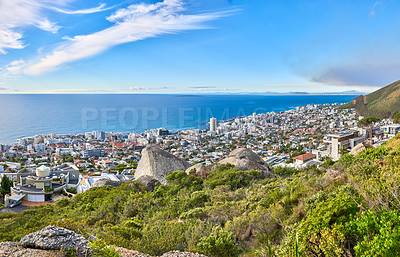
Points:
(219, 244)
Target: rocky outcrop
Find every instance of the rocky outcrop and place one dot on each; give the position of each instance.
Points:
(53, 241)
(106, 182)
(332, 174)
(148, 181)
(12, 249)
(198, 169)
(246, 159)
(158, 163)
(56, 238)
(360, 147)
(130, 253)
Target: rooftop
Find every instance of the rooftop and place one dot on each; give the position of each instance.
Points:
(305, 157)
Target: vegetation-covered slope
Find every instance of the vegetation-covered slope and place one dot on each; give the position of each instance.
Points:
(382, 103)
(352, 210)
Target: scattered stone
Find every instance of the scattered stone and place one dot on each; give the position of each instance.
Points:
(181, 254)
(332, 174)
(129, 253)
(246, 159)
(148, 181)
(158, 163)
(198, 169)
(56, 238)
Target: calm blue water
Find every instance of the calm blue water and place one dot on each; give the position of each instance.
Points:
(29, 115)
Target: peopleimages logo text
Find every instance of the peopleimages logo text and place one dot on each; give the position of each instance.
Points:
(113, 118)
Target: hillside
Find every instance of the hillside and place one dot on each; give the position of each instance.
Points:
(347, 208)
(382, 103)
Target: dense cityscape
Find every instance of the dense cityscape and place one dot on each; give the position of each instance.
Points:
(303, 136)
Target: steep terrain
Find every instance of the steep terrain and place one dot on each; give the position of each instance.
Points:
(382, 103)
(158, 163)
(347, 208)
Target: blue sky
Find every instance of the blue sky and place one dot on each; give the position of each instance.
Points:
(191, 46)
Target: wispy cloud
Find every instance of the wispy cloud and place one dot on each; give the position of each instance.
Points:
(15, 15)
(100, 8)
(372, 10)
(359, 73)
(147, 88)
(7, 90)
(207, 87)
(136, 22)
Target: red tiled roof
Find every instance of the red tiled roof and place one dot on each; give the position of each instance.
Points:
(305, 157)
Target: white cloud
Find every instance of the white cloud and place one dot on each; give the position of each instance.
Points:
(137, 22)
(99, 8)
(9, 39)
(147, 88)
(18, 14)
(47, 25)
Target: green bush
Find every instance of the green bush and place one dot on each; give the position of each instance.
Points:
(219, 244)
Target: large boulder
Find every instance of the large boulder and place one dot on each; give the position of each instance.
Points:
(148, 181)
(106, 182)
(56, 238)
(360, 147)
(198, 169)
(13, 249)
(246, 159)
(158, 163)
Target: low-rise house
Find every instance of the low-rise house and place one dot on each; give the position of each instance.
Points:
(391, 130)
(303, 158)
(39, 185)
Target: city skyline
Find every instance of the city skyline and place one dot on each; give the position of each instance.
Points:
(175, 46)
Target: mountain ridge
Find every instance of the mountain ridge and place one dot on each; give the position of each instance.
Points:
(382, 103)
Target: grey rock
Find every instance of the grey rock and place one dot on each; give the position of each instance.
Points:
(56, 238)
(106, 182)
(131, 253)
(12, 249)
(198, 169)
(182, 254)
(332, 174)
(360, 147)
(148, 181)
(246, 159)
(158, 163)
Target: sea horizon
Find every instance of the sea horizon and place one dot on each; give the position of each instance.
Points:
(28, 115)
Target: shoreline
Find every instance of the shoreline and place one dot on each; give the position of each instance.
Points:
(202, 127)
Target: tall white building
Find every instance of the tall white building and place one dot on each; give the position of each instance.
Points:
(213, 124)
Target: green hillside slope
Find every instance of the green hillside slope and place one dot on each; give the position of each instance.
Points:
(382, 103)
(351, 210)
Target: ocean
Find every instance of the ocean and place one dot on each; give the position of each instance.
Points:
(30, 115)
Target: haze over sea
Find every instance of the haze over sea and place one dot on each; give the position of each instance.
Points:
(29, 115)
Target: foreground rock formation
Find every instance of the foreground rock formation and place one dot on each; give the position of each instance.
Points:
(148, 181)
(106, 182)
(360, 147)
(198, 169)
(56, 238)
(13, 249)
(158, 163)
(53, 241)
(246, 159)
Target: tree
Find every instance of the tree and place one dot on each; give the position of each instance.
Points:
(368, 123)
(5, 186)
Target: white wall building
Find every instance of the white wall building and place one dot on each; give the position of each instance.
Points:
(213, 124)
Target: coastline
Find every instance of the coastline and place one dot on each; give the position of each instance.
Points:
(56, 115)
